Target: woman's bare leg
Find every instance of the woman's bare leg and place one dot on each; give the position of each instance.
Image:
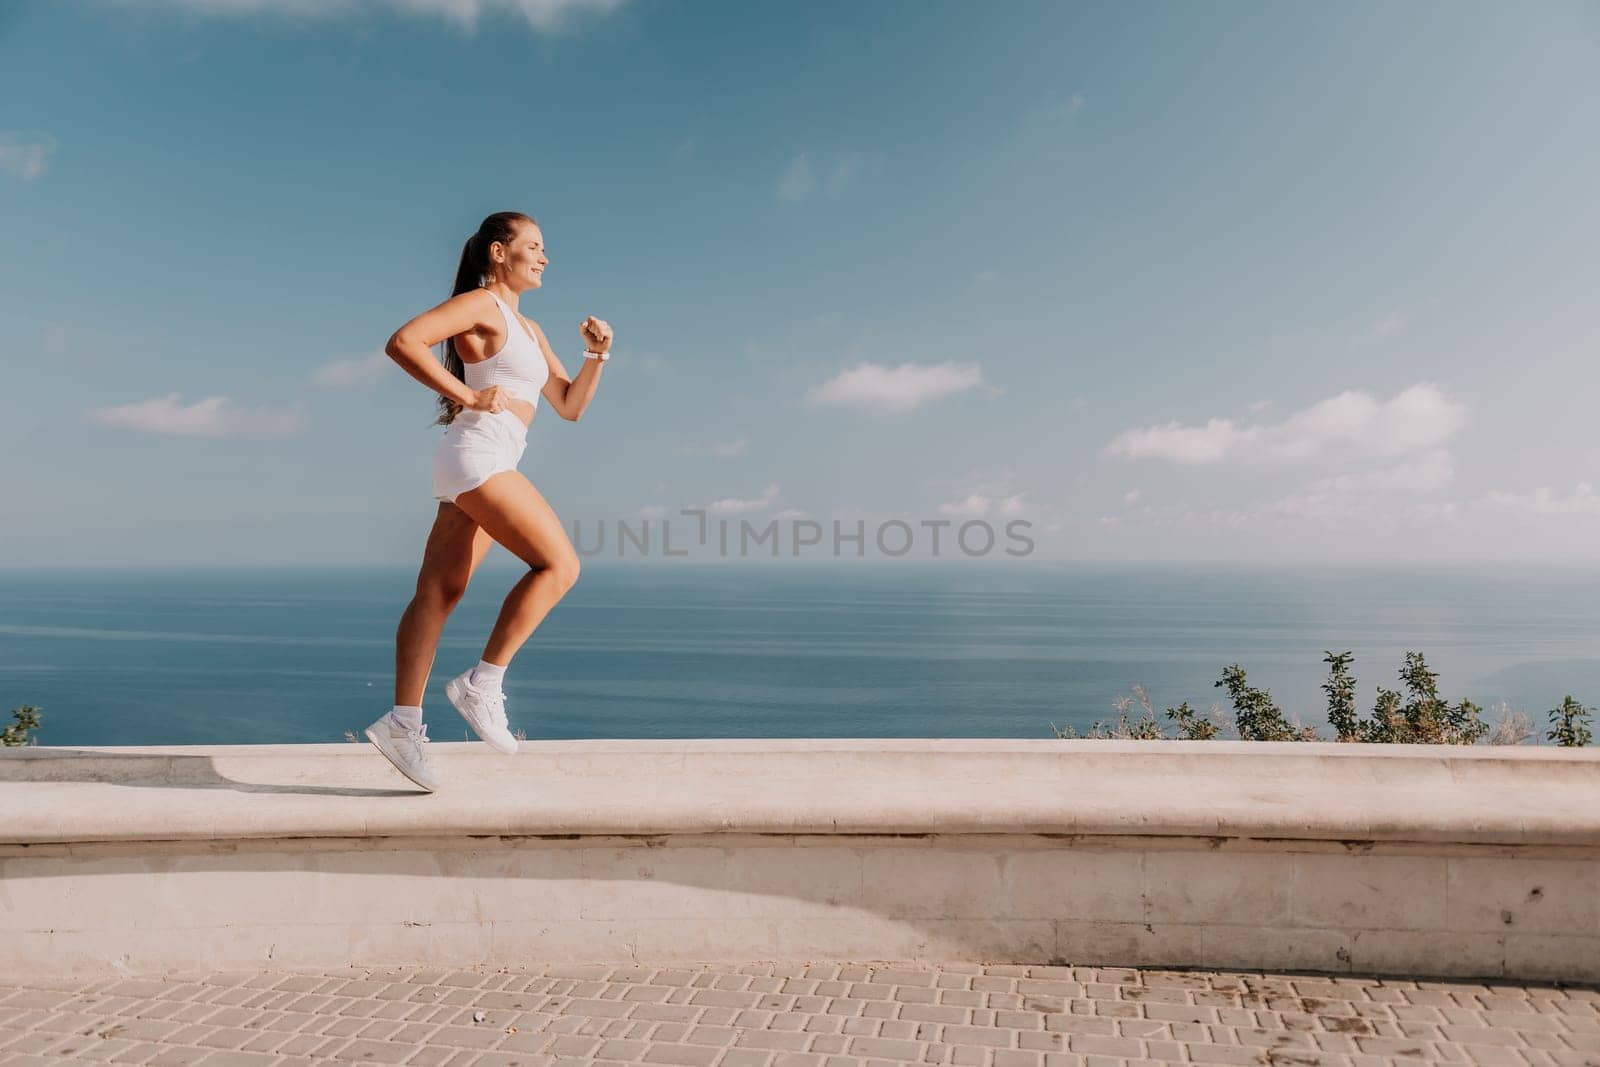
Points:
(456, 545)
(514, 513)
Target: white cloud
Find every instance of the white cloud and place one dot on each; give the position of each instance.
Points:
(798, 181)
(845, 171)
(1173, 516)
(215, 416)
(979, 492)
(1427, 473)
(346, 372)
(1391, 324)
(893, 390)
(1544, 501)
(735, 505)
(974, 506)
(792, 513)
(543, 15)
(1351, 426)
(1131, 497)
(1362, 493)
(977, 505)
(24, 156)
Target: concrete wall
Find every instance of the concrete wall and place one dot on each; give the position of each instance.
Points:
(1415, 860)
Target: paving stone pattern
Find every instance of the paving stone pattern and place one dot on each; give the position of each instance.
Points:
(776, 1015)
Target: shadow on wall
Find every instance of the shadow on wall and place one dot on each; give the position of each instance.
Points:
(155, 770)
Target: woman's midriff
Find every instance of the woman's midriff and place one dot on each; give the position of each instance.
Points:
(522, 409)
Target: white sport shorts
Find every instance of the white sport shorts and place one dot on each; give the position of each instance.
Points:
(475, 445)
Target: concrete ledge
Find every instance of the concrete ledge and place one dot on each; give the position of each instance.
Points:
(1094, 788)
(1376, 859)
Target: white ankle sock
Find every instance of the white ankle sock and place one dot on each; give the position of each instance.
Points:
(407, 716)
(487, 674)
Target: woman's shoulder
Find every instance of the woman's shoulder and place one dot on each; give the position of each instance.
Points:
(482, 304)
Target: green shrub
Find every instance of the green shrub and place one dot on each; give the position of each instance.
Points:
(1569, 724)
(1419, 716)
(1191, 727)
(16, 735)
(1341, 690)
(1255, 715)
(1414, 714)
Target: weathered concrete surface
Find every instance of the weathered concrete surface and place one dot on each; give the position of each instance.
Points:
(1418, 860)
(1485, 794)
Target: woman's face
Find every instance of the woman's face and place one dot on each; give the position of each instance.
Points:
(524, 263)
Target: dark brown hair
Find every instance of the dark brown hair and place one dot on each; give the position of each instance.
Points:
(502, 227)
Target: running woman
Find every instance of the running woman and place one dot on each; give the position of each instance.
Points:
(497, 364)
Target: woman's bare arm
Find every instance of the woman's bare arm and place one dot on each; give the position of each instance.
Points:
(568, 396)
(410, 344)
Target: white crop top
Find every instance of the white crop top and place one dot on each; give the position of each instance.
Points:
(519, 367)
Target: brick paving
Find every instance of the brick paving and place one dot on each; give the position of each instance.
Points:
(778, 1015)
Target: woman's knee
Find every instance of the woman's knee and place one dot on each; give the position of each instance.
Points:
(565, 570)
(441, 593)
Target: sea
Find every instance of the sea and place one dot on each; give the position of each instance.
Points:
(889, 648)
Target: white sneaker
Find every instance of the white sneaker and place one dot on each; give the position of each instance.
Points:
(484, 709)
(403, 748)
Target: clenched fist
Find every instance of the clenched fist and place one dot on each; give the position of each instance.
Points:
(596, 334)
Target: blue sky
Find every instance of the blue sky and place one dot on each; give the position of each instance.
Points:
(1167, 281)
